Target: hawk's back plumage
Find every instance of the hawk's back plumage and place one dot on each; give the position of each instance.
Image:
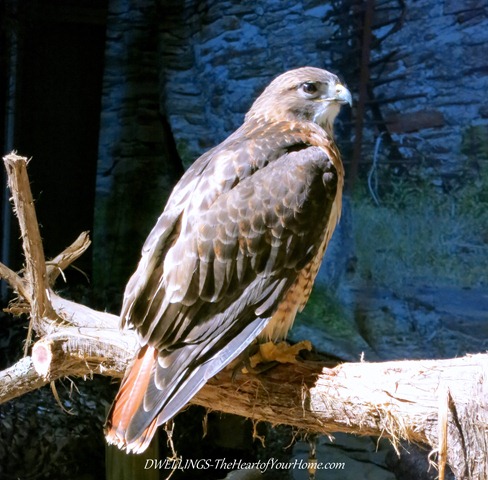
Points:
(235, 252)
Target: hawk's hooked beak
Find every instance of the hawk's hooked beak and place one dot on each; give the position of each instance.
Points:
(342, 95)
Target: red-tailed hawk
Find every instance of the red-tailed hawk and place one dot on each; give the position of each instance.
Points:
(235, 253)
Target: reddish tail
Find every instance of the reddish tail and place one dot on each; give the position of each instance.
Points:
(122, 428)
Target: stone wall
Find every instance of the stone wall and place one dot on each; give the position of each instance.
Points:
(441, 60)
(428, 69)
(137, 168)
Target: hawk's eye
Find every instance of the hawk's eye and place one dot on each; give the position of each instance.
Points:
(309, 88)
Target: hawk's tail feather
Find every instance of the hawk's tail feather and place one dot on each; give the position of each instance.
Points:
(129, 400)
(141, 406)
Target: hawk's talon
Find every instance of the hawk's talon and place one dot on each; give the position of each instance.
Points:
(270, 354)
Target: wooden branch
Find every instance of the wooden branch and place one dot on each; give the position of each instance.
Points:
(19, 379)
(82, 353)
(15, 281)
(441, 403)
(62, 261)
(35, 266)
(397, 400)
(54, 268)
(18, 182)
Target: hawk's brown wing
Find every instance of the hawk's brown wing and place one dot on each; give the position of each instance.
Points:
(235, 236)
(297, 295)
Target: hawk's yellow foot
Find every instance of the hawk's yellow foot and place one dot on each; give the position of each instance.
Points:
(282, 352)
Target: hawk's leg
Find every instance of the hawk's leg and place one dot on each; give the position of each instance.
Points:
(263, 356)
(281, 352)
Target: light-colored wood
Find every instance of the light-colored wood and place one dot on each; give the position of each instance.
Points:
(35, 264)
(59, 263)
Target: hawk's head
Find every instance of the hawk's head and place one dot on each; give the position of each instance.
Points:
(304, 94)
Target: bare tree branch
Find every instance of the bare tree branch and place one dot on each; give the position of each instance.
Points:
(62, 261)
(15, 281)
(35, 276)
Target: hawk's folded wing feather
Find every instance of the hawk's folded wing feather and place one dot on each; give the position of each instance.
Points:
(234, 260)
